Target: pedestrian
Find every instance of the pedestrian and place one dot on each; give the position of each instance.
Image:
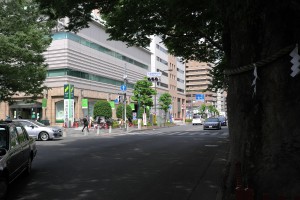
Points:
(91, 121)
(85, 124)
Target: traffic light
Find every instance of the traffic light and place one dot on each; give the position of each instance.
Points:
(153, 79)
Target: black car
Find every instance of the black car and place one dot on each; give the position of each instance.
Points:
(17, 151)
(223, 120)
(212, 123)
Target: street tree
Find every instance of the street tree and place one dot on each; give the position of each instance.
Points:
(142, 93)
(250, 42)
(102, 108)
(120, 111)
(165, 100)
(202, 110)
(24, 35)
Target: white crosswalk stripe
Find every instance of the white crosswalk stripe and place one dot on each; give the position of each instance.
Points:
(179, 133)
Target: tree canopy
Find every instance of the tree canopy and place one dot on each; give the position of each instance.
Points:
(24, 35)
(143, 92)
(165, 100)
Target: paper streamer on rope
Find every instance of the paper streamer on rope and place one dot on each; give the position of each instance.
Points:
(295, 61)
(255, 78)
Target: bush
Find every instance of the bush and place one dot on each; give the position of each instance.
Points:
(120, 111)
(102, 108)
(188, 120)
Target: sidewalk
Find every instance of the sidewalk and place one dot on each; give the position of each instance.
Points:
(77, 132)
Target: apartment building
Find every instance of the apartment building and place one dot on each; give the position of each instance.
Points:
(172, 80)
(94, 69)
(197, 81)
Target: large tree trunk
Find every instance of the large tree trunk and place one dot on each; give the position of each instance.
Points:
(264, 126)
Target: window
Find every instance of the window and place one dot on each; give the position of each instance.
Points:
(3, 138)
(59, 111)
(22, 136)
(90, 44)
(13, 137)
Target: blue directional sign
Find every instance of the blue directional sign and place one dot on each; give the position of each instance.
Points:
(116, 101)
(200, 97)
(123, 88)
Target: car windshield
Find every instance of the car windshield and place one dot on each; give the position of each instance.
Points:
(212, 120)
(196, 116)
(38, 123)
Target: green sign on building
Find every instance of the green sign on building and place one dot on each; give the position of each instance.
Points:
(44, 103)
(84, 103)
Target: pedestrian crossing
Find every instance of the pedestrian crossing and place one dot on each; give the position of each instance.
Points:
(180, 133)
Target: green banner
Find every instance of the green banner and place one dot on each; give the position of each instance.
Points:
(44, 103)
(112, 104)
(68, 91)
(84, 103)
(132, 106)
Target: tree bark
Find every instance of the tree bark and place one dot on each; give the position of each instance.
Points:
(264, 126)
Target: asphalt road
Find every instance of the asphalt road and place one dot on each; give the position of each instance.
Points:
(177, 163)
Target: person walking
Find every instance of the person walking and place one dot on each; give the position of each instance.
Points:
(85, 124)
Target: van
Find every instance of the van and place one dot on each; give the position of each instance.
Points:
(197, 119)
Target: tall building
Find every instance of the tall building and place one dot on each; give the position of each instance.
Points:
(89, 65)
(197, 81)
(172, 80)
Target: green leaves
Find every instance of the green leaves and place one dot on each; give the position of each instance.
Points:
(24, 36)
(143, 92)
(165, 100)
(102, 108)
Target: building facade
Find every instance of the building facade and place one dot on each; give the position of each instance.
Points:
(172, 80)
(197, 81)
(92, 65)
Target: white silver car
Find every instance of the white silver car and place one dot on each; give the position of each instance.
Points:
(39, 131)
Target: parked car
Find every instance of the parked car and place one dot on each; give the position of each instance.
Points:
(212, 123)
(197, 120)
(223, 120)
(39, 131)
(17, 151)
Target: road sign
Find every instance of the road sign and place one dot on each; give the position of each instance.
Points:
(200, 97)
(153, 74)
(116, 101)
(123, 88)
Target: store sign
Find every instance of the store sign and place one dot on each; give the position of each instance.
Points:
(84, 103)
(68, 105)
(44, 103)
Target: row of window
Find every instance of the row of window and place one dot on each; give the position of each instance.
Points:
(85, 42)
(84, 75)
(180, 71)
(162, 49)
(180, 80)
(161, 60)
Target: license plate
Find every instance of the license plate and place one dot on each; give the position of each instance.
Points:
(210, 126)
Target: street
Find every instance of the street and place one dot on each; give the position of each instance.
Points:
(176, 163)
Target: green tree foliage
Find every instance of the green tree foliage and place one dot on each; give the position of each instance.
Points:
(212, 110)
(143, 92)
(141, 111)
(102, 108)
(120, 111)
(165, 100)
(24, 36)
(202, 110)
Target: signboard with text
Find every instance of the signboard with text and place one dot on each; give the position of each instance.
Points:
(68, 105)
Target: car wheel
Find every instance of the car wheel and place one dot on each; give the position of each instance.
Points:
(44, 136)
(3, 187)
